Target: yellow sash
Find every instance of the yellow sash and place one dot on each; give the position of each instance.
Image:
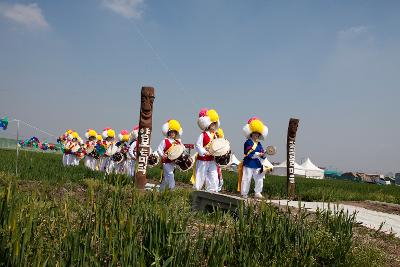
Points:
(240, 167)
(193, 178)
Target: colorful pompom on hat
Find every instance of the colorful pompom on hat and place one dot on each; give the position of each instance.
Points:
(67, 135)
(73, 135)
(99, 137)
(206, 117)
(123, 136)
(220, 133)
(172, 125)
(108, 132)
(255, 125)
(135, 132)
(90, 133)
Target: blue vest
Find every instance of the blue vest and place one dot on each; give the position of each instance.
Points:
(248, 161)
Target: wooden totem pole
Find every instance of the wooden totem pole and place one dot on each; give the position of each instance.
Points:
(144, 137)
(291, 156)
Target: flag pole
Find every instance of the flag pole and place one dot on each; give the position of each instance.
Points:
(16, 144)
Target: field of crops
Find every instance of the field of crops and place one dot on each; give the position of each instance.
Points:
(56, 216)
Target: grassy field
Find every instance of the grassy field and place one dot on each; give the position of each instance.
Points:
(43, 166)
(56, 216)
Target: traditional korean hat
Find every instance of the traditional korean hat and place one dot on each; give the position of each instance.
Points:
(255, 125)
(108, 132)
(135, 132)
(90, 133)
(206, 117)
(123, 136)
(172, 125)
(67, 135)
(73, 135)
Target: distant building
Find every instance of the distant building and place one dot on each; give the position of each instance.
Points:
(366, 177)
(353, 176)
(397, 178)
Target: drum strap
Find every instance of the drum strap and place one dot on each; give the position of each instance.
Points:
(212, 137)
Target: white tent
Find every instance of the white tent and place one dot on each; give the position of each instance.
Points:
(311, 170)
(235, 160)
(281, 169)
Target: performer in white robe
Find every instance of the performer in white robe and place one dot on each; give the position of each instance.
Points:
(62, 140)
(254, 130)
(172, 130)
(74, 147)
(91, 139)
(206, 169)
(132, 152)
(123, 148)
(107, 164)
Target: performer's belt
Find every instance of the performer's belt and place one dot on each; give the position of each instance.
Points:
(166, 160)
(205, 158)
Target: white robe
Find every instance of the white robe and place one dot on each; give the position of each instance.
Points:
(168, 168)
(206, 171)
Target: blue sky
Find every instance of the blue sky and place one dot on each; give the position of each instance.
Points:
(333, 64)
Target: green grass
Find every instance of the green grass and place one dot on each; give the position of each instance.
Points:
(119, 226)
(56, 216)
(45, 166)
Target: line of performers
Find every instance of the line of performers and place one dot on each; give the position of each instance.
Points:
(103, 153)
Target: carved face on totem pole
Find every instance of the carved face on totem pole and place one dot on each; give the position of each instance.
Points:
(144, 135)
(293, 124)
(147, 106)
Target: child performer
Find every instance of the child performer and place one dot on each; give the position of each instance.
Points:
(132, 151)
(91, 140)
(107, 164)
(123, 148)
(172, 131)
(206, 168)
(63, 139)
(74, 146)
(254, 130)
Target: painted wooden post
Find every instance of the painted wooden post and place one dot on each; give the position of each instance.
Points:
(291, 157)
(144, 135)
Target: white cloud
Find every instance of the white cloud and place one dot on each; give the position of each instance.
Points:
(125, 8)
(353, 32)
(29, 15)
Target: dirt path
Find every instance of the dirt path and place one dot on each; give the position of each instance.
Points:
(372, 219)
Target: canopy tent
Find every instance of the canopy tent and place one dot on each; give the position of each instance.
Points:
(235, 160)
(281, 169)
(312, 171)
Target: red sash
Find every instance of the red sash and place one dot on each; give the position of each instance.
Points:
(206, 141)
